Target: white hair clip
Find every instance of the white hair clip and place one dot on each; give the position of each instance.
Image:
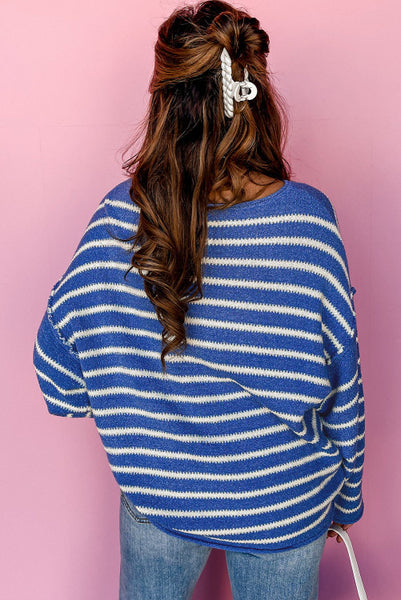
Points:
(233, 90)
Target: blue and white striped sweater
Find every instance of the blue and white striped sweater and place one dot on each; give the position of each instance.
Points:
(253, 440)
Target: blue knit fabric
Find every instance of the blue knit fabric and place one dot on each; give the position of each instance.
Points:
(253, 440)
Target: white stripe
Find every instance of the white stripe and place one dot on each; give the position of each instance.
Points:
(290, 396)
(281, 240)
(233, 262)
(337, 315)
(242, 530)
(263, 285)
(197, 476)
(354, 470)
(241, 512)
(352, 442)
(334, 340)
(160, 395)
(265, 540)
(57, 365)
(346, 510)
(233, 325)
(175, 418)
(354, 484)
(290, 218)
(255, 493)
(205, 459)
(278, 539)
(129, 205)
(282, 264)
(254, 371)
(107, 391)
(186, 437)
(342, 388)
(227, 368)
(90, 266)
(212, 345)
(98, 287)
(334, 426)
(262, 307)
(66, 405)
(62, 391)
(272, 220)
(220, 302)
(212, 281)
(101, 243)
(350, 498)
(235, 305)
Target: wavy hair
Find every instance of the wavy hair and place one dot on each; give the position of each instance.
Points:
(192, 154)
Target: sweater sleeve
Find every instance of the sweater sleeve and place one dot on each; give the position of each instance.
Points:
(343, 421)
(55, 358)
(58, 370)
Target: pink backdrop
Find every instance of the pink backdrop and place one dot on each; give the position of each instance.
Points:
(74, 81)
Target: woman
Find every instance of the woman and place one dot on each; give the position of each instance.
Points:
(218, 353)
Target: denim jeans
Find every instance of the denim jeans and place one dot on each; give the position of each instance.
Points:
(158, 566)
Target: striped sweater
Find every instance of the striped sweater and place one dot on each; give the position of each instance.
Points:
(253, 440)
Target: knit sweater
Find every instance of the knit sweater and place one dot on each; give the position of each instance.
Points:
(253, 440)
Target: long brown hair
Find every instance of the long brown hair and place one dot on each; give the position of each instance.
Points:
(191, 152)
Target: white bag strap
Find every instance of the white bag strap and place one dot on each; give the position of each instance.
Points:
(357, 576)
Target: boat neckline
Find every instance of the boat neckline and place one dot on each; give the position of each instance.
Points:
(257, 200)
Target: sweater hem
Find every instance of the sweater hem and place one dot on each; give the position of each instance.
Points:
(246, 549)
(302, 541)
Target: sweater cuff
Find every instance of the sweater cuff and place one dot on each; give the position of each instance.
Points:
(349, 504)
(59, 373)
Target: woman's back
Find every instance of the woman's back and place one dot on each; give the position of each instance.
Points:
(231, 446)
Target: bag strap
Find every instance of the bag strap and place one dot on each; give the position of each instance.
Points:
(355, 569)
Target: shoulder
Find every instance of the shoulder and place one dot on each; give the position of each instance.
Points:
(314, 200)
(119, 209)
(312, 206)
(102, 242)
(120, 190)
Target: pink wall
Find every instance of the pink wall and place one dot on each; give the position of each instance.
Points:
(74, 83)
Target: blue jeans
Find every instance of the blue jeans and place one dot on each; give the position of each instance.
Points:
(158, 566)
